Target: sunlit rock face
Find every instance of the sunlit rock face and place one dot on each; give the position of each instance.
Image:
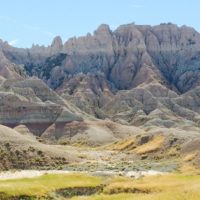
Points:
(135, 75)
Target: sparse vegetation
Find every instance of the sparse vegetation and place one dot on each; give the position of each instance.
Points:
(190, 156)
(154, 145)
(13, 158)
(121, 145)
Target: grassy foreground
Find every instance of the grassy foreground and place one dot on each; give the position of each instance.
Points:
(162, 187)
(165, 187)
(41, 186)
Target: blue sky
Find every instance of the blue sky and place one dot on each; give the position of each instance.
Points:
(24, 22)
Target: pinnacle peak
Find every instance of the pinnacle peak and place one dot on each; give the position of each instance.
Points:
(57, 41)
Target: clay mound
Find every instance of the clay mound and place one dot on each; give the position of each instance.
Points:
(89, 132)
(35, 105)
(24, 151)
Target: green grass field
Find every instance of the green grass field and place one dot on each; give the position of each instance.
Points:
(163, 187)
(45, 184)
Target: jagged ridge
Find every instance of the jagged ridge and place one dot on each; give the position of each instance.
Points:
(136, 75)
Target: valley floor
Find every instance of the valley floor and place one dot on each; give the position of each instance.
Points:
(118, 171)
(82, 186)
(104, 159)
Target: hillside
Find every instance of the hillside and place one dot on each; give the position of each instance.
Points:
(135, 77)
(23, 151)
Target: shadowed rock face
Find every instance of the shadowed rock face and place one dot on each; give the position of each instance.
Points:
(138, 75)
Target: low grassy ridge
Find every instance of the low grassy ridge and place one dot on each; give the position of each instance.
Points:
(154, 145)
(43, 185)
(14, 157)
(162, 187)
(127, 144)
(131, 145)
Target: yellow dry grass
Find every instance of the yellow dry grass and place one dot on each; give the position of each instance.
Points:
(161, 183)
(187, 166)
(126, 144)
(154, 145)
(162, 187)
(190, 157)
(156, 196)
(47, 183)
(173, 152)
(174, 186)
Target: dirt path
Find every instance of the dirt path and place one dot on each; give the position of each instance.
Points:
(35, 173)
(28, 173)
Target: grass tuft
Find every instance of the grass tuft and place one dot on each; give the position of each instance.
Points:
(122, 145)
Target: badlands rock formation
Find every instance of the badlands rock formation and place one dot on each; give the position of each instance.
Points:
(139, 76)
